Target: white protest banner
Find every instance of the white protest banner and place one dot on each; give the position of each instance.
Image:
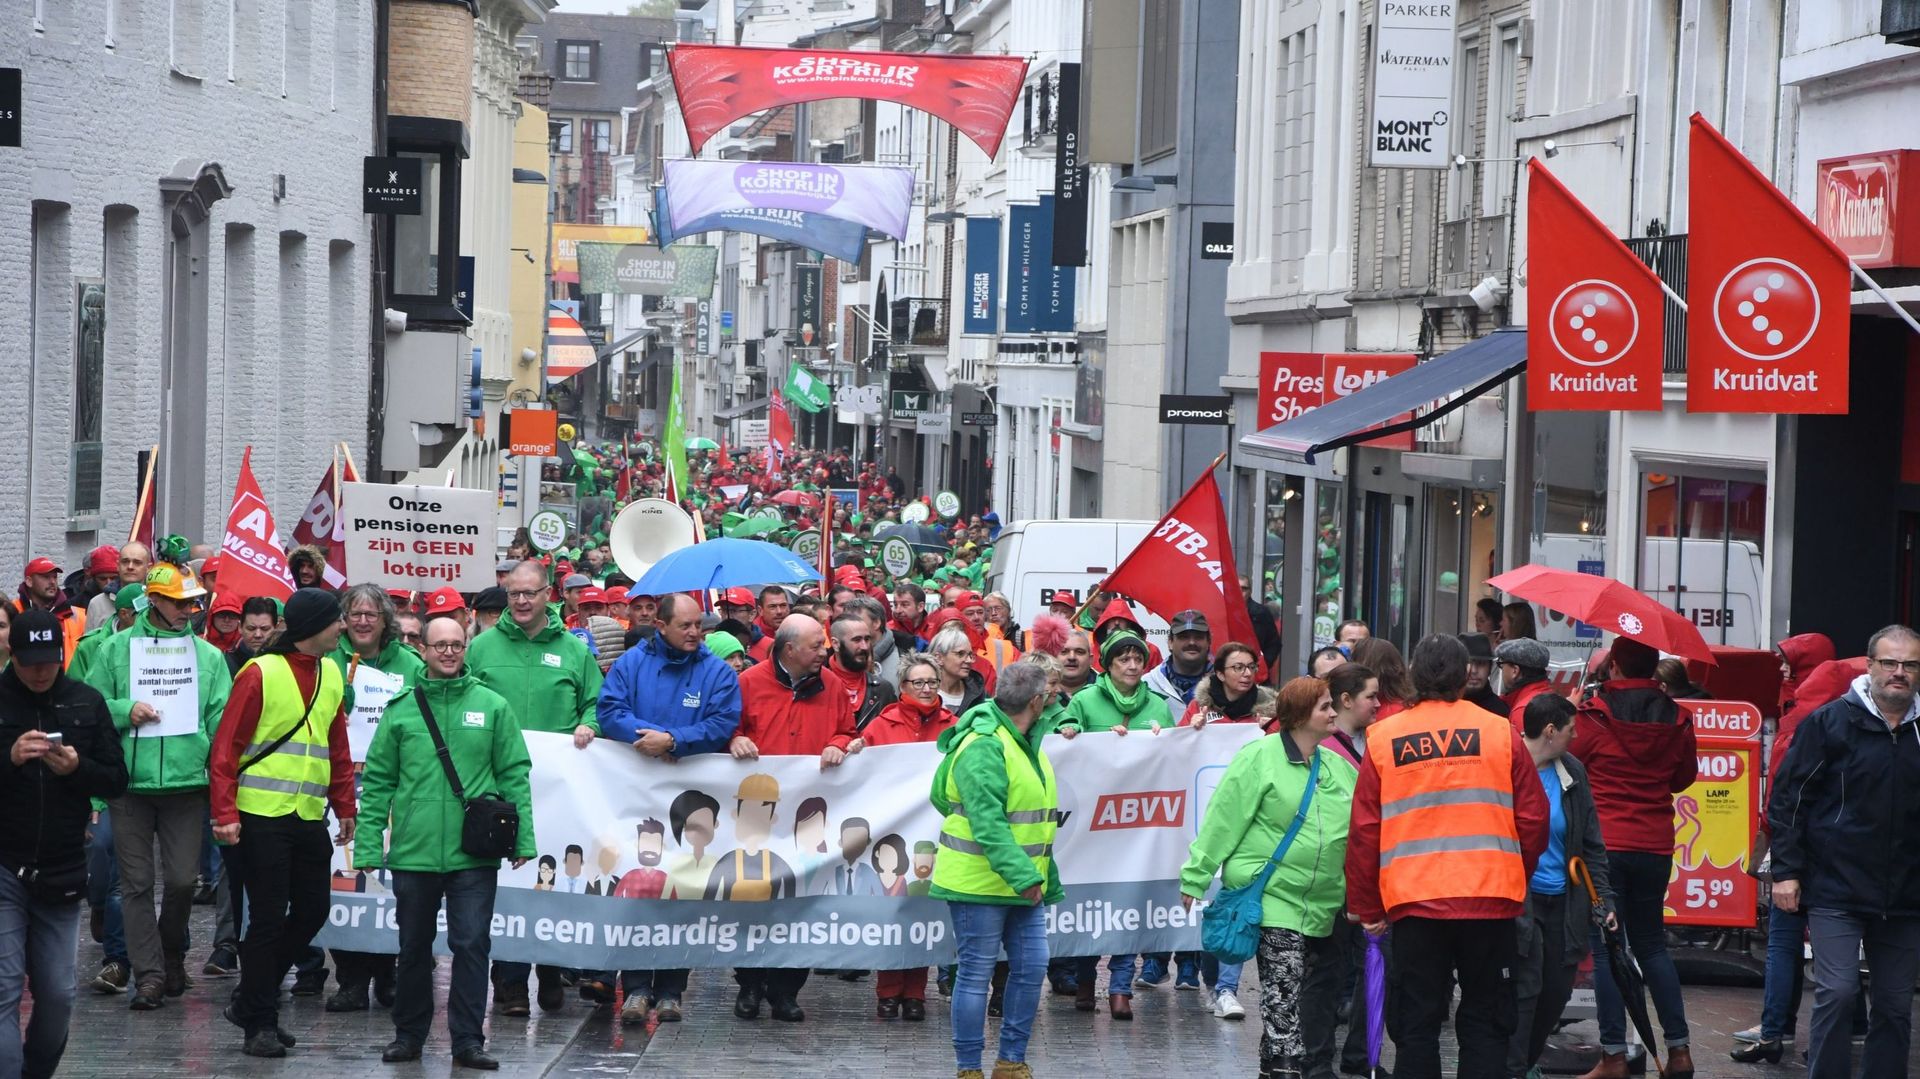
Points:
(669, 843)
(165, 673)
(372, 689)
(419, 538)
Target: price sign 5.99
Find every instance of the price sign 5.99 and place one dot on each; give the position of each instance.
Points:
(1713, 823)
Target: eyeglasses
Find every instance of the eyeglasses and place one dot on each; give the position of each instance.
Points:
(526, 595)
(1240, 668)
(363, 616)
(924, 683)
(1894, 666)
(447, 648)
(413, 637)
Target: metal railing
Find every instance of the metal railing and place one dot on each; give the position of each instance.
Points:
(1667, 257)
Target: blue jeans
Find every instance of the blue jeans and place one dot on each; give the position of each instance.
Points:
(39, 943)
(1640, 892)
(103, 886)
(1781, 1004)
(469, 896)
(980, 931)
(1119, 972)
(1218, 975)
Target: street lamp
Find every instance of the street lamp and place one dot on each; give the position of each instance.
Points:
(1142, 183)
(943, 217)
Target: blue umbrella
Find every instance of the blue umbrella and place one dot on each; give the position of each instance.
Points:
(724, 563)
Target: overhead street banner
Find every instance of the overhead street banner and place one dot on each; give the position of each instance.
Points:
(846, 853)
(844, 240)
(875, 196)
(1412, 82)
(646, 270)
(718, 84)
(420, 538)
(567, 239)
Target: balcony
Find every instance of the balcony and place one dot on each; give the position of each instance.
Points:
(1470, 249)
(918, 323)
(1667, 256)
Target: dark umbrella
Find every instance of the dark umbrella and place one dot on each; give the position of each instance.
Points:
(917, 535)
(1621, 964)
(1376, 967)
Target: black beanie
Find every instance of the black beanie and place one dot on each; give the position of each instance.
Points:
(308, 611)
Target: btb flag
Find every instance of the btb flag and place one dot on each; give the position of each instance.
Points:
(1186, 563)
(252, 560)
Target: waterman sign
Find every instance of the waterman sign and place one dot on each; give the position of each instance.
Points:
(420, 538)
(1412, 85)
(846, 855)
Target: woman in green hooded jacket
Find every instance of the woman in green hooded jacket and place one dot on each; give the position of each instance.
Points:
(1248, 814)
(1119, 699)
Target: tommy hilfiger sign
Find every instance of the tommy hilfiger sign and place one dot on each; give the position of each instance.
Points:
(390, 185)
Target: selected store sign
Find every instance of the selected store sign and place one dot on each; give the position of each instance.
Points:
(1295, 383)
(1861, 206)
(390, 185)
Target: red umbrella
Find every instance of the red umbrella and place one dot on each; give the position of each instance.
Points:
(799, 499)
(1609, 605)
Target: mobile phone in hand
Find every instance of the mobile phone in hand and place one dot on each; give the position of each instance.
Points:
(57, 739)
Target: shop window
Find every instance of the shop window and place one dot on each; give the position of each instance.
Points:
(1329, 587)
(1463, 544)
(426, 246)
(1380, 540)
(1703, 548)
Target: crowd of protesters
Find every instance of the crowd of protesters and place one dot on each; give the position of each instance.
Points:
(1447, 807)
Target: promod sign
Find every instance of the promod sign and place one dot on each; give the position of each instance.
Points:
(420, 538)
(718, 84)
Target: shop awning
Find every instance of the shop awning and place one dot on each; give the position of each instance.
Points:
(1430, 390)
(742, 408)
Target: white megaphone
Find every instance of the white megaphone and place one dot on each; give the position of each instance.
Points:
(647, 531)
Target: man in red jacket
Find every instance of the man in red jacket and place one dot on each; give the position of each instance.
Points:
(1639, 749)
(790, 705)
(1449, 820)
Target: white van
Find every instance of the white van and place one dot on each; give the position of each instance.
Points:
(1689, 570)
(1034, 559)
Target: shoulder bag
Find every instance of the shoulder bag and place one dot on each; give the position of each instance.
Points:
(490, 826)
(1230, 926)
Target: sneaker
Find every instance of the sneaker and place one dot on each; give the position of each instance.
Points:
(1188, 978)
(223, 963)
(1749, 1035)
(634, 1011)
(112, 977)
(1150, 977)
(1227, 1006)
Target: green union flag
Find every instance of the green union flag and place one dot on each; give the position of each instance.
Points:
(807, 391)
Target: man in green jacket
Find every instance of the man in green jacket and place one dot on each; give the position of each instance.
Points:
(405, 790)
(375, 668)
(553, 684)
(1119, 699)
(996, 868)
(166, 797)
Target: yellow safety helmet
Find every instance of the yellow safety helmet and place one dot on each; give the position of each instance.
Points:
(173, 582)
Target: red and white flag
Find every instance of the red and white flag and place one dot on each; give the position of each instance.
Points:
(1186, 563)
(1596, 313)
(321, 523)
(1768, 296)
(253, 562)
(144, 529)
(779, 433)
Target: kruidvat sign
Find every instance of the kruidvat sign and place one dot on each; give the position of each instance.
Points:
(1412, 84)
(1859, 206)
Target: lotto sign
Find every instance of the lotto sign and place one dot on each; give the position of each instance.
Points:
(1601, 307)
(1713, 820)
(1767, 292)
(1294, 383)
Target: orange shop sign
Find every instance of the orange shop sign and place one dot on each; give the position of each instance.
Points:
(533, 432)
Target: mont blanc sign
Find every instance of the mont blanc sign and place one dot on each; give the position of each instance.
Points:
(1412, 84)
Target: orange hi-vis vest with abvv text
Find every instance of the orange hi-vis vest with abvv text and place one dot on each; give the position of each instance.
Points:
(1446, 805)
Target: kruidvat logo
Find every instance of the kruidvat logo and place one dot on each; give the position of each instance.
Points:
(788, 188)
(845, 69)
(1140, 809)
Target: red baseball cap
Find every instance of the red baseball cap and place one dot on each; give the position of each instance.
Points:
(590, 594)
(41, 565)
(843, 573)
(443, 600)
(211, 565)
(968, 599)
(738, 597)
(617, 594)
(103, 559)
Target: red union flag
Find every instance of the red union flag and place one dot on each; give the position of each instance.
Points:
(322, 525)
(252, 560)
(1186, 563)
(718, 84)
(1767, 294)
(779, 433)
(1595, 310)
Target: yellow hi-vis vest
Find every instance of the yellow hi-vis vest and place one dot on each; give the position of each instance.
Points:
(1032, 814)
(294, 778)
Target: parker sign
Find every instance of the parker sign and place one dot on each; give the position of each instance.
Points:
(871, 195)
(420, 538)
(717, 84)
(1412, 85)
